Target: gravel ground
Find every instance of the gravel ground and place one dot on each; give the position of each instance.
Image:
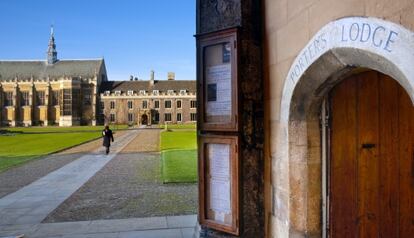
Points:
(15, 178)
(129, 186)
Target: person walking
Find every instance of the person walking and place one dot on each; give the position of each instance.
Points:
(107, 137)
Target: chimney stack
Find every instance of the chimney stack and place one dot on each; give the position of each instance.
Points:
(171, 76)
(152, 78)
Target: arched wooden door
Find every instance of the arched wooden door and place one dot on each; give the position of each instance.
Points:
(371, 164)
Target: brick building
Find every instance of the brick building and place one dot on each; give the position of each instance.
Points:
(52, 91)
(148, 102)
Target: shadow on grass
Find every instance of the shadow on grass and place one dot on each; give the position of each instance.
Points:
(9, 133)
(7, 162)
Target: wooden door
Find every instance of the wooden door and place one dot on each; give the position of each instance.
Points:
(371, 164)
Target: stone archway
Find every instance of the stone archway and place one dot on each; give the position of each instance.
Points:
(336, 50)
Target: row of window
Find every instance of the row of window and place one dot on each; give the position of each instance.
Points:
(24, 98)
(167, 117)
(167, 104)
(143, 92)
(41, 98)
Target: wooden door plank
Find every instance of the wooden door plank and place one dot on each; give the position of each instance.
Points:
(372, 189)
(388, 157)
(343, 158)
(406, 175)
(368, 166)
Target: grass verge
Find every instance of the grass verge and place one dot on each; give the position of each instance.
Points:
(178, 140)
(55, 129)
(179, 166)
(21, 145)
(180, 126)
(179, 156)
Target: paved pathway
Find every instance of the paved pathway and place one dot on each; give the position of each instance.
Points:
(12, 180)
(21, 212)
(34, 202)
(129, 186)
(150, 227)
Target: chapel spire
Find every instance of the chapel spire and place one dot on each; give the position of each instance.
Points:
(51, 50)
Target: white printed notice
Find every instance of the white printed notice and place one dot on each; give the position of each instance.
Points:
(219, 161)
(218, 80)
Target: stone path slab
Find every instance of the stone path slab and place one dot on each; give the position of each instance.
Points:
(157, 227)
(32, 203)
(129, 186)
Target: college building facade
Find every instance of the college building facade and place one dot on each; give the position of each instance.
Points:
(77, 92)
(148, 102)
(50, 92)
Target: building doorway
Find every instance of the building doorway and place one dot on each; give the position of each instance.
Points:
(144, 119)
(155, 117)
(370, 163)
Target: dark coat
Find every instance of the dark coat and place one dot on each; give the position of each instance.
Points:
(107, 137)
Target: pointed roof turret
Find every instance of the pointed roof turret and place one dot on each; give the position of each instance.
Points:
(51, 50)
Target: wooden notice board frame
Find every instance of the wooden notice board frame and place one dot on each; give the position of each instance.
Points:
(209, 215)
(218, 60)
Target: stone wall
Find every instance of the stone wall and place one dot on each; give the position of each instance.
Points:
(293, 149)
(246, 14)
(218, 15)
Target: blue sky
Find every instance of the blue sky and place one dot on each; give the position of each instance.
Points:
(134, 36)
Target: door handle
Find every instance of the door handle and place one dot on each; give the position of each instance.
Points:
(368, 146)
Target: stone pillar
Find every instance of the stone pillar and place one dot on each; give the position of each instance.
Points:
(174, 110)
(149, 115)
(216, 15)
(63, 120)
(15, 106)
(139, 115)
(47, 100)
(94, 106)
(32, 104)
(1, 105)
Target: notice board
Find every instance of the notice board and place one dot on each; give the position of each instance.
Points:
(218, 89)
(219, 182)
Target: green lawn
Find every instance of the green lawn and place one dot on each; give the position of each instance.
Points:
(180, 126)
(36, 129)
(179, 166)
(24, 144)
(179, 156)
(178, 140)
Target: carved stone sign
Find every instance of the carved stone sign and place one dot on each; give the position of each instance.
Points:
(371, 34)
(386, 41)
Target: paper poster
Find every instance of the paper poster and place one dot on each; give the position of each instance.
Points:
(218, 80)
(219, 160)
(219, 216)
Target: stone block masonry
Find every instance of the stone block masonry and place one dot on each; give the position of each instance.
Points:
(245, 14)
